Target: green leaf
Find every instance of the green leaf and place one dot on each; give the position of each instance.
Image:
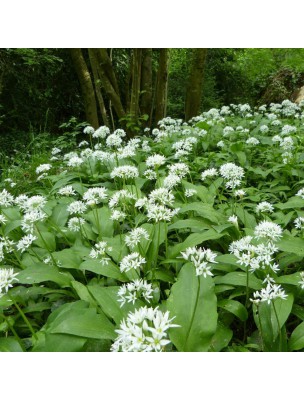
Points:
(221, 338)
(100, 218)
(291, 244)
(79, 320)
(110, 270)
(234, 307)
(190, 223)
(60, 215)
(296, 341)
(204, 210)
(70, 258)
(10, 344)
(83, 293)
(193, 302)
(193, 240)
(46, 241)
(43, 273)
(293, 202)
(58, 342)
(239, 279)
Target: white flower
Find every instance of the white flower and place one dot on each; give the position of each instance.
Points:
(180, 169)
(263, 207)
(277, 138)
(101, 132)
(301, 282)
(287, 129)
(6, 199)
(118, 215)
(190, 192)
(55, 150)
(301, 193)
(125, 172)
(74, 224)
(239, 193)
(232, 173)
(145, 330)
(299, 222)
(155, 160)
(264, 129)
(233, 219)
(89, 130)
(30, 218)
(83, 143)
(3, 220)
(150, 174)
(209, 173)
(7, 277)
(161, 196)
(100, 252)
(95, 195)
(268, 230)
(201, 259)
(43, 168)
(227, 131)
(114, 140)
(160, 212)
(220, 144)
(77, 207)
(171, 181)
(134, 237)
(25, 242)
(131, 261)
(75, 161)
(33, 203)
(121, 196)
(67, 191)
(130, 292)
(252, 141)
(270, 293)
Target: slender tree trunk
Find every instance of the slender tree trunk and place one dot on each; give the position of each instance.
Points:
(195, 83)
(97, 83)
(146, 83)
(86, 86)
(104, 74)
(162, 85)
(136, 75)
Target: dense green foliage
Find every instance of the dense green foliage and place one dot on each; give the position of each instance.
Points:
(185, 238)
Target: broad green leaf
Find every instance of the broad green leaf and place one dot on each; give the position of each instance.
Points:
(193, 240)
(202, 192)
(204, 210)
(101, 220)
(190, 223)
(234, 307)
(296, 341)
(70, 258)
(42, 273)
(291, 244)
(79, 320)
(293, 202)
(221, 338)
(46, 240)
(193, 302)
(83, 292)
(107, 298)
(11, 226)
(60, 215)
(292, 279)
(58, 342)
(110, 270)
(10, 344)
(239, 279)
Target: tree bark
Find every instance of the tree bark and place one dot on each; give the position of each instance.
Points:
(97, 83)
(104, 73)
(86, 86)
(135, 90)
(146, 83)
(195, 83)
(162, 85)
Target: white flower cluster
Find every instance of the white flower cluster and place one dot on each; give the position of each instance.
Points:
(67, 191)
(301, 193)
(7, 277)
(75, 223)
(6, 199)
(201, 259)
(268, 294)
(95, 195)
(125, 172)
(135, 236)
(253, 256)
(268, 230)
(299, 222)
(264, 207)
(232, 174)
(132, 291)
(209, 173)
(132, 261)
(155, 161)
(43, 168)
(145, 330)
(100, 252)
(77, 207)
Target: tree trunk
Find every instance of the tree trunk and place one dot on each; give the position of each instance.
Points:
(106, 81)
(97, 83)
(162, 85)
(86, 86)
(135, 90)
(195, 83)
(146, 83)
